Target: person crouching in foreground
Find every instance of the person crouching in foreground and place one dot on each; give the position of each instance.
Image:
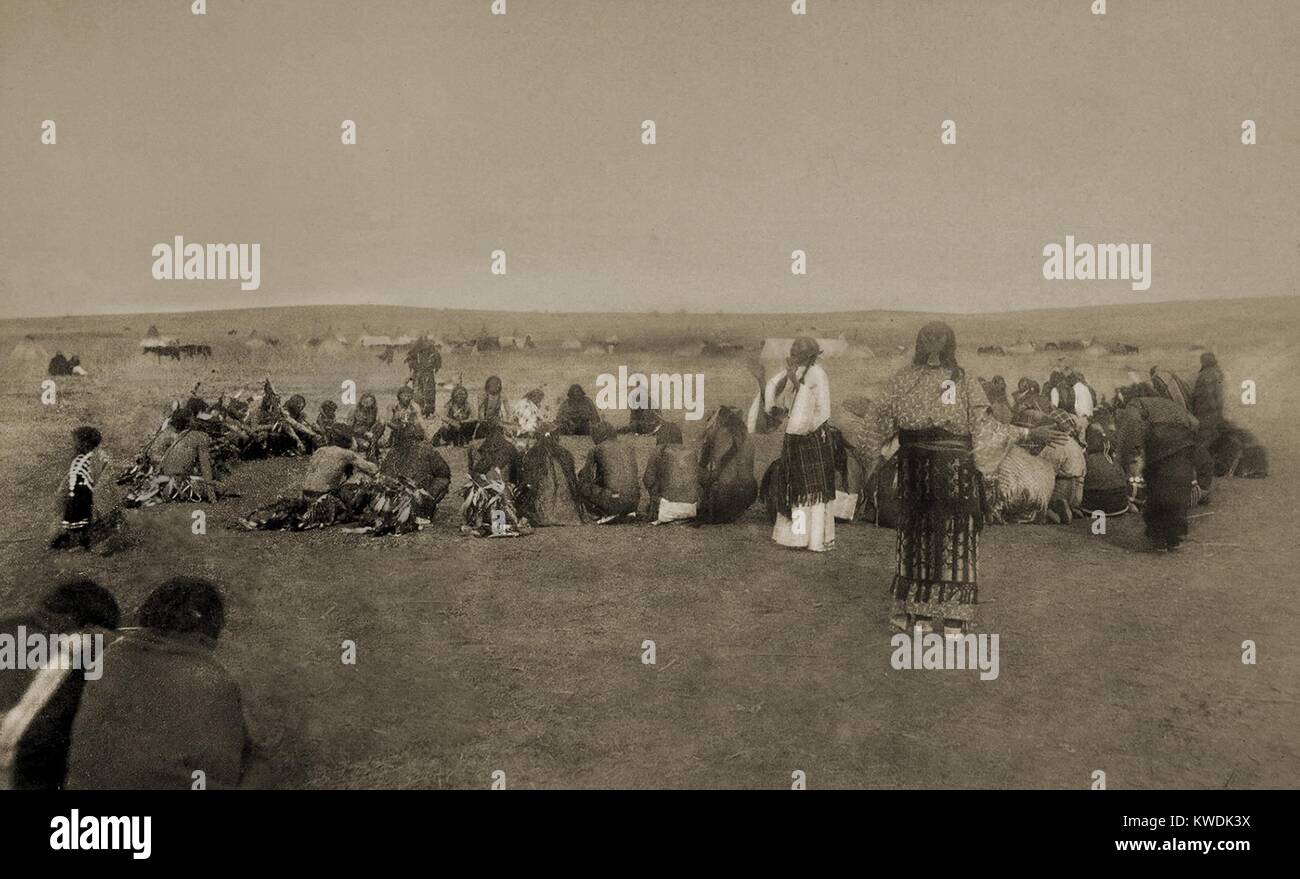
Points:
(165, 715)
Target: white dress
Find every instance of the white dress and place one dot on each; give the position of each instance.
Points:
(809, 526)
(1083, 402)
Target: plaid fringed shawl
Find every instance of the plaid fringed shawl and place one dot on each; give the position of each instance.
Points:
(809, 469)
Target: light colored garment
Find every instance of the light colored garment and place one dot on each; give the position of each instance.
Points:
(844, 505)
(526, 415)
(674, 511)
(1067, 459)
(1023, 485)
(331, 466)
(1083, 402)
(86, 469)
(809, 406)
(15, 722)
(817, 527)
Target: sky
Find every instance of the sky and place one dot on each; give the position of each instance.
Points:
(522, 132)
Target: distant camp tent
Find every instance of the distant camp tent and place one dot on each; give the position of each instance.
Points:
(489, 343)
(368, 341)
(1022, 348)
(571, 345)
(690, 349)
(254, 341)
(150, 342)
(29, 352)
(153, 332)
(327, 342)
(595, 348)
(720, 348)
(775, 348)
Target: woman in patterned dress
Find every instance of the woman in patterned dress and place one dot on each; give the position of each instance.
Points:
(948, 443)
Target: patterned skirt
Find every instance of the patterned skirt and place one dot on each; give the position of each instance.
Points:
(941, 514)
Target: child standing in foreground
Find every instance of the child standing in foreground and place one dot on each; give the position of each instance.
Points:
(79, 501)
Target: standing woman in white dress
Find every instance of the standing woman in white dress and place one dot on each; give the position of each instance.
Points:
(805, 518)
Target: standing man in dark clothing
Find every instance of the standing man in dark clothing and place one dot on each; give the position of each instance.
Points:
(424, 360)
(1207, 406)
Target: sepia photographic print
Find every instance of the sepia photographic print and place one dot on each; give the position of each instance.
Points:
(539, 395)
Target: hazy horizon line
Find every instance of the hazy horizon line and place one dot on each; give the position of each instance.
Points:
(659, 312)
